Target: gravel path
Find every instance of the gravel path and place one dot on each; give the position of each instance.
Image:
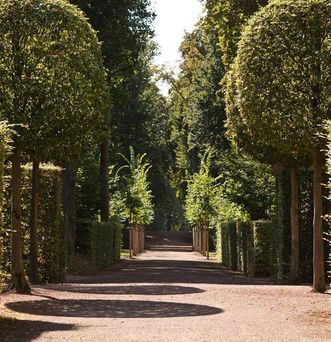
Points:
(167, 294)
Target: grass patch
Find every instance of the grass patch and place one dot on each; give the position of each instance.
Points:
(212, 255)
(125, 253)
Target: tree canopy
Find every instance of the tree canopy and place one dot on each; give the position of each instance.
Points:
(52, 77)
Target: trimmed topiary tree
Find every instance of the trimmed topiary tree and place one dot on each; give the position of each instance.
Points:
(52, 87)
(279, 93)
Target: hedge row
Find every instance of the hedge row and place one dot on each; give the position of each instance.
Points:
(50, 229)
(106, 239)
(247, 247)
(282, 223)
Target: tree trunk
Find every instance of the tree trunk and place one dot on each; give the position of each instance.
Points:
(207, 242)
(69, 203)
(33, 269)
(18, 282)
(294, 265)
(104, 181)
(318, 252)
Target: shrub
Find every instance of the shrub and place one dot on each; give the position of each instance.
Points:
(106, 240)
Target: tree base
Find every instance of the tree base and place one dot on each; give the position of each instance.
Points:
(18, 284)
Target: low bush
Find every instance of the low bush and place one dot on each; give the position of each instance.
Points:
(106, 240)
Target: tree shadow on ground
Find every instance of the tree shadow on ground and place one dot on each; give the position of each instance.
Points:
(25, 331)
(111, 308)
(172, 271)
(150, 290)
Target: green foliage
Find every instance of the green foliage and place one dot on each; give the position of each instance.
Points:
(200, 204)
(244, 247)
(247, 247)
(278, 96)
(105, 242)
(328, 165)
(263, 263)
(197, 112)
(197, 109)
(139, 114)
(282, 221)
(5, 140)
(50, 234)
(228, 17)
(136, 200)
(197, 121)
(247, 183)
(52, 78)
(228, 210)
(206, 203)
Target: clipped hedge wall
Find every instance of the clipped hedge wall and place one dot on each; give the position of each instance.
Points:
(50, 231)
(106, 239)
(262, 256)
(247, 247)
(282, 223)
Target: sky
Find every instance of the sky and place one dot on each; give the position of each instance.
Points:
(174, 17)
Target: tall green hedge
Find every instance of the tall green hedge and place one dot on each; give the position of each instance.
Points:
(247, 247)
(263, 263)
(282, 223)
(50, 229)
(222, 238)
(106, 239)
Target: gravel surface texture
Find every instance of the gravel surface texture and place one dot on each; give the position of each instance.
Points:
(168, 294)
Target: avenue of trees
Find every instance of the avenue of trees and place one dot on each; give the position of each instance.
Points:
(254, 87)
(238, 142)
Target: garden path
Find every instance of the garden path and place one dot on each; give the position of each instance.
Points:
(168, 294)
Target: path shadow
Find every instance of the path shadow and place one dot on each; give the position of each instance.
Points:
(149, 290)
(171, 248)
(169, 238)
(26, 331)
(111, 308)
(172, 271)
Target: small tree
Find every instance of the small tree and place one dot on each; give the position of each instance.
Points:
(202, 189)
(137, 197)
(52, 85)
(206, 203)
(279, 94)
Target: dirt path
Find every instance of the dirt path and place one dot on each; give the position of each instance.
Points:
(167, 294)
